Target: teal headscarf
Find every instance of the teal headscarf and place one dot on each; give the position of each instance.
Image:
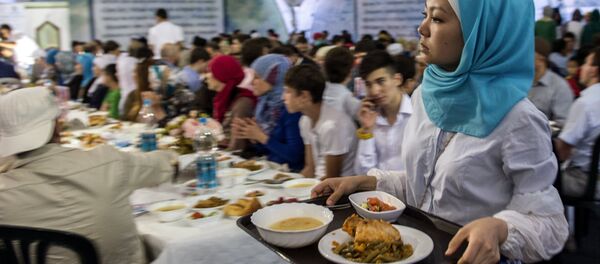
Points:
(495, 72)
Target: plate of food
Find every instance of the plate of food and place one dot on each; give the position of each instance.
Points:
(242, 207)
(90, 140)
(253, 166)
(208, 203)
(374, 241)
(278, 179)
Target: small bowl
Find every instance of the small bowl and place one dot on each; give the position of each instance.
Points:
(268, 216)
(357, 199)
(218, 215)
(291, 186)
(232, 176)
(170, 215)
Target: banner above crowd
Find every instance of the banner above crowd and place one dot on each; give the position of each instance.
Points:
(119, 20)
(399, 18)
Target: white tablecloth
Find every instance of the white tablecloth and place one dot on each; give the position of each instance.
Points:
(217, 242)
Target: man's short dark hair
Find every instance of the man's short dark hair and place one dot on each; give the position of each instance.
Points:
(199, 42)
(378, 59)
(162, 13)
(285, 50)
(6, 26)
(302, 40)
(110, 46)
(198, 54)
(253, 48)
(365, 45)
(596, 59)
(338, 64)
(111, 70)
(213, 45)
(306, 78)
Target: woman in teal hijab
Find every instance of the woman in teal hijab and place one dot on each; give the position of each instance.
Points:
(477, 152)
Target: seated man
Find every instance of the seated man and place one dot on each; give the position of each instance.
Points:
(576, 141)
(85, 192)
(328, 135)
(384, 113)
(550, 92)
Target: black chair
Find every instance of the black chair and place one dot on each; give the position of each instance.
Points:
(18, 244)
(586, 204)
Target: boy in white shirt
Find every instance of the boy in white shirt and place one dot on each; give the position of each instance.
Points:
(328, 135)
(384, 113)
(338, 70)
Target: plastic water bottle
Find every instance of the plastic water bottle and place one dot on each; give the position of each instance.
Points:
(146, 116)
(206, 162)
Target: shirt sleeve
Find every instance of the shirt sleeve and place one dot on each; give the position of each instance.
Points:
(304, 130)
(537, 230)
(575, 127)
(563, 98)
(366, 156)
(336, 136)
(352, 105)
(180, 35)
(391, 182)
(148, 169)
(151, 37)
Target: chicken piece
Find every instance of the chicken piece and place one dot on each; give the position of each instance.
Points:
(350, 224)
(370, 230)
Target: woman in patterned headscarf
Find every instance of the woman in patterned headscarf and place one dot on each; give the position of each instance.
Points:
(274, 129)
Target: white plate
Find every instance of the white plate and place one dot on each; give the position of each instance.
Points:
(280, 185)
(421, 243)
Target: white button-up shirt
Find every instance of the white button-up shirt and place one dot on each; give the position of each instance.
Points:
(332, 135)
(583, 127)
(552, 96)
(508, 175)
(163, 33)
(339, 97)
(383, 150)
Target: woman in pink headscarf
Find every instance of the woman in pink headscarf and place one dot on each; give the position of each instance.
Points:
(225, 74)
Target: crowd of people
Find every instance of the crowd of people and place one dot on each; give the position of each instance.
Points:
(456, 125)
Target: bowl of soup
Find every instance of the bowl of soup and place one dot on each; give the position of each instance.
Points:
(300, 187)
(169, 211)
(292, 225)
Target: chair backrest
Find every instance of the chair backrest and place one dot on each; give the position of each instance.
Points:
(22, 241)
(590, 190)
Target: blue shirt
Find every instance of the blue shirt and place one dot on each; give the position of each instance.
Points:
(191, 78)
(285, 145)
(87, 64)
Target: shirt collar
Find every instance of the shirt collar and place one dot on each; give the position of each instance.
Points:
(592, 89)
(405, 109)
(40, 153)
(545, 80)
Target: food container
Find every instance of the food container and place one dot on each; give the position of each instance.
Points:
(357, 199)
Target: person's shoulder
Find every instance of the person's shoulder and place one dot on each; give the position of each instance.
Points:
(524, 114)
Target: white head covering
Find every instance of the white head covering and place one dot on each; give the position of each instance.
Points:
(395, 49)
(454, 5)
(27, 119)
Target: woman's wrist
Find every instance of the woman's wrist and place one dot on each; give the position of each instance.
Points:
(367, 183)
